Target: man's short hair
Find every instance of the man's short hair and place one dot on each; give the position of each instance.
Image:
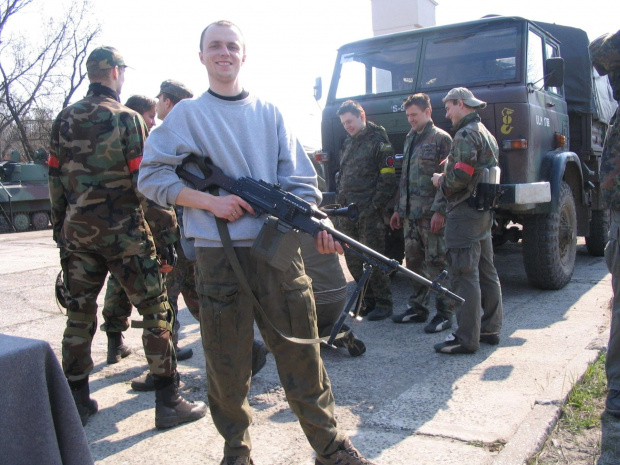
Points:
(420, 100)
(225, 23)
(174, 90)
(141, 103)
(351, 106)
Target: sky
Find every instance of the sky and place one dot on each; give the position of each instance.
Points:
(289, 42)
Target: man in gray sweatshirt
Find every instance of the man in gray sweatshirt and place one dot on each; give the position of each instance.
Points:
(245, 136)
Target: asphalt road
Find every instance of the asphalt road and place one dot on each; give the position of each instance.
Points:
(401, 403)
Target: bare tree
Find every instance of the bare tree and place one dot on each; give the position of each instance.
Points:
(39, 78)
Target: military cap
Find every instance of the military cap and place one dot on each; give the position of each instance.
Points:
(104, 58)
(466, 95)
(174, 88)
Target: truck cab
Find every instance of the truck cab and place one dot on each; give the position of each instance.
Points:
(545, 107)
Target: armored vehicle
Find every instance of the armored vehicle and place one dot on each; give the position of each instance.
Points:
(24, 193)
(547, 107)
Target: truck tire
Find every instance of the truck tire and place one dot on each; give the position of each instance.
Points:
(599, 233)
(550, 244)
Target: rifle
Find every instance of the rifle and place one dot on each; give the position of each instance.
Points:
(295, 213)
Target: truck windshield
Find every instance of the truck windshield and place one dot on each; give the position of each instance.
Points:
(465, 59)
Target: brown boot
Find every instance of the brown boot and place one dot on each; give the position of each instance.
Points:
(170, 408)
(116, 348)
(143, 383)
(81, 396)
(346, 454)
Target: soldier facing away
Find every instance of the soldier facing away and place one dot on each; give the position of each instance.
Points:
(98, 224)
(421, 209)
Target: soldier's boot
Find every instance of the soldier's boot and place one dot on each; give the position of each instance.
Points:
(117, 349)
(143, 383)
(81, 396)
(184, 353)
(170, 408)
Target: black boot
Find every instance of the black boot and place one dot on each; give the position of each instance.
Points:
(170, 408)
(184, 353)
(116, 348)
(81, 396)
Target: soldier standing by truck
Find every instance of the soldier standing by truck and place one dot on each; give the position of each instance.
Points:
(367, 179)
(468, 229)
(421, 209)
(98, 224)
(605, 54)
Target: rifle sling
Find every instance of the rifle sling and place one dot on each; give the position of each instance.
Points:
(234, 262)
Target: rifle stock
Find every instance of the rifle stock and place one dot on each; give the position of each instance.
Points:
(295, 212)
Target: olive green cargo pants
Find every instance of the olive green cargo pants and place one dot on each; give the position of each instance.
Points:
(227, 316)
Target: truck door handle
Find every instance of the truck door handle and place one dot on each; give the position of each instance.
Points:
(550, 104)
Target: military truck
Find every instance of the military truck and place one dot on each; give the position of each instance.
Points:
(547, 107)
(24, 193)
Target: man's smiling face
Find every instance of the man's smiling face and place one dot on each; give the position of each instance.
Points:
(223, 53)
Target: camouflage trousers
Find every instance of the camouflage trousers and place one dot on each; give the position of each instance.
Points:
(612, 258)
(117, 308)
(84, 274)
(227, 316)
(370, 231)
(182, 280)
(474, 277)
(425, 254)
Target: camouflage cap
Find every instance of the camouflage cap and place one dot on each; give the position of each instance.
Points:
(104, 58)
(174, 88)
(466, 95)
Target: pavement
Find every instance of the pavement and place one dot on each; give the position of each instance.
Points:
(400, 402)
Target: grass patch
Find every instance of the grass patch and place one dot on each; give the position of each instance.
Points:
(582, 409)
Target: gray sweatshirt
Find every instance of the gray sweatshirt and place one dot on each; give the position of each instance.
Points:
(244, 138)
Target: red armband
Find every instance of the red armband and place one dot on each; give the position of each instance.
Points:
(52, 161)
(134, 164)
(468, 169)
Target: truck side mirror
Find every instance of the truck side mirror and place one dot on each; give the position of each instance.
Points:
(554, 72)
(318, 89)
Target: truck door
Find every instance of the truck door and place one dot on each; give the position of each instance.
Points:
(548, 112)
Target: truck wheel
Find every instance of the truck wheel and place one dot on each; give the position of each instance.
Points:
(599, 233)
(21, 221)
(40, 220)
(550, 244)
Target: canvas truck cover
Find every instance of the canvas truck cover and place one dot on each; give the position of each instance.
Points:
(586, 91)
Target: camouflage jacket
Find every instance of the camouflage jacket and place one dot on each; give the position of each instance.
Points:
(367, 173)
(473, 149)
(605, 53)
(95, 152)
(422, 156)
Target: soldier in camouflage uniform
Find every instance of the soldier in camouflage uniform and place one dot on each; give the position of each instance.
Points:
(422, 209)
(468, 230)
(163, 226)
(245, 136)
(367, 179)
(605, 53)
(98, 224)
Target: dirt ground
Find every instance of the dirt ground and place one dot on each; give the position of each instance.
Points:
(567, 447)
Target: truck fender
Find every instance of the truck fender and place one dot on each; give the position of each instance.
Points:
(553, 169)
